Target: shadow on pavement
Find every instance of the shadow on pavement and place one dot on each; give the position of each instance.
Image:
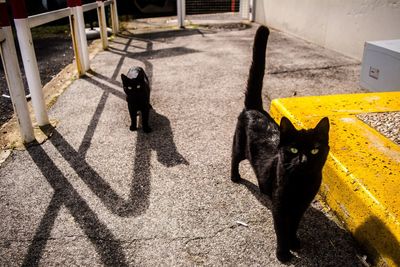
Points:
(385, 240)
(170, 34)
(106, 244)
(323, 242)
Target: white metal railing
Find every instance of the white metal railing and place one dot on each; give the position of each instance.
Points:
(13, 75)
(15, 83)
(181, 8)
(108, 2)
(47, 17)
(102, 24)
(89, 6)
(23, 25)
(252, 10)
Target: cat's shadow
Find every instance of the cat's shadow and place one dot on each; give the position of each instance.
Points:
(161, 140)
(255, 191)
(323, 242)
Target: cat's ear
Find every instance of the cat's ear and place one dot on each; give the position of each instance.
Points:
(322, 128)
(286, 128)
(140, 74)
(124, 78)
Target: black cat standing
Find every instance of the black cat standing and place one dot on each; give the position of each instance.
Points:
(287, 162)
(137, 89)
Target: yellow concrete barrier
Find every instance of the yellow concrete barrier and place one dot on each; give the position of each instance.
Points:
(361, 182)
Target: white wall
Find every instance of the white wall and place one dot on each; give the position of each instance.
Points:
(341, 25)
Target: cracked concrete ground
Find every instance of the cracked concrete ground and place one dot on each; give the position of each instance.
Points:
(96, 194)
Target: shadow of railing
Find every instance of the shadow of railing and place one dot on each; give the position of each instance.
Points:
(105, 243)
(160, 140)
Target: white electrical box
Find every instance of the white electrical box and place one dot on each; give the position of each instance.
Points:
(380, 69)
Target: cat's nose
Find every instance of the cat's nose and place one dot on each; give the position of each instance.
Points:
(303, 158)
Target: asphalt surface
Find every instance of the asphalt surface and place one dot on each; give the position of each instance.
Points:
(97, 194)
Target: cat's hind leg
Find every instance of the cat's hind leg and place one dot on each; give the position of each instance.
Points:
(238, 153)
(265, 182)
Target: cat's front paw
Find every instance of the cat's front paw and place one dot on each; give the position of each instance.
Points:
(284, 255)
(147, 129)
(133, 128)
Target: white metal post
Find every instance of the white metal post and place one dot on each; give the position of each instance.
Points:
(252, 13)
(14, 81)
(31, 70)
(181, 6)
(75, 41)
(79, 41)
(82, 37)
(102, 22)
(114, 17)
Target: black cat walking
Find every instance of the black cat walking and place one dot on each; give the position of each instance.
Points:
(287, 162)
(137, 89)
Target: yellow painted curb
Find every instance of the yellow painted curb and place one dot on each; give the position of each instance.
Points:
(361, 178)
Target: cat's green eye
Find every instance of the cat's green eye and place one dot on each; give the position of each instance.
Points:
(293, 150)
(314, 151)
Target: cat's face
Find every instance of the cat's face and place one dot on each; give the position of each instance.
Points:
(132, 85)
(304, 150)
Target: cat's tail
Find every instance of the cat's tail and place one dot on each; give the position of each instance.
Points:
(253, 99)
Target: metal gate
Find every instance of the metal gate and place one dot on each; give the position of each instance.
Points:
(194, 7)
(218, 10)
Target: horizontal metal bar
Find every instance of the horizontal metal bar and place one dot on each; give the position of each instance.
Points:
(90, 6)
(44, 18)
(40, 19)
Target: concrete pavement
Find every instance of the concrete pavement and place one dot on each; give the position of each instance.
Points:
(96, 194)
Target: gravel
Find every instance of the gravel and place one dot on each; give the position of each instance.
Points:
(387, 123)
(53, 54)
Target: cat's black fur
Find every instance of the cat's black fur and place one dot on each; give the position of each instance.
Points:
(287, 162)
(137, 89)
